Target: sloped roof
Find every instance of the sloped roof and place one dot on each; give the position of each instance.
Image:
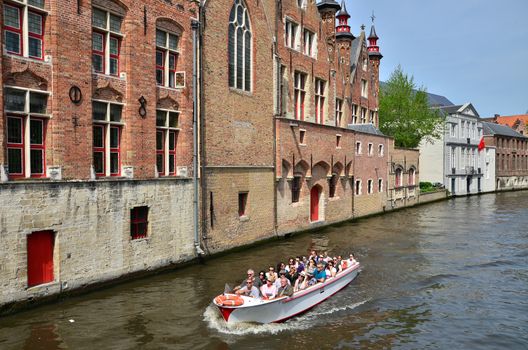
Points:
(510, 120)
(459, 109)
(355, 52)
(433, 99)
(366, 129)
(497, 129)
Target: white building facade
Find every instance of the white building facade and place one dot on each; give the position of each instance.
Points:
(455, 160)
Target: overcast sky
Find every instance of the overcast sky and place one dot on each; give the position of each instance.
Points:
(467, 50)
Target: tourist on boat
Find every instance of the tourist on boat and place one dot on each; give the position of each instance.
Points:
(301, 282)
(299, 264)
(249, 290)
(351, 260)
(320, 274)
(250, 276)
(285, 288)
(262, 278)
(271, 274)
(282, 273)
(311, 267)
(292, 274)
(330, 269)
(281, 266)
(268, 290)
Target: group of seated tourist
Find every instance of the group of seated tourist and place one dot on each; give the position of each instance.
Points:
(299, 274)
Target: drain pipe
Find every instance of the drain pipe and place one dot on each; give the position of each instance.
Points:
(195, 26)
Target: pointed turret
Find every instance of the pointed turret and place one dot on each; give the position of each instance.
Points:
(343, 29)
(373, 48)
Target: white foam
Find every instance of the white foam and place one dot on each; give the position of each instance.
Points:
(215, 321)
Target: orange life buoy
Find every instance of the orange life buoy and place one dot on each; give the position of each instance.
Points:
(229, 300)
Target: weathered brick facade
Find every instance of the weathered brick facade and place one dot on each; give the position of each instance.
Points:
(90, 216)
(237, 130)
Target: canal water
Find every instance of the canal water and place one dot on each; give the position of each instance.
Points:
(449, 275)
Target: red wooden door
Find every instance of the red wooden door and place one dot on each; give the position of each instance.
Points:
(314, 203)
(40, 257)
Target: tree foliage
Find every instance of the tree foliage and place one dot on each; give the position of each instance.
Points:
(404, 112)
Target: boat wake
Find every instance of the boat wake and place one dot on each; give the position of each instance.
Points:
(215, 321)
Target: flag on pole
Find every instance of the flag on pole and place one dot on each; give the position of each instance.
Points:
(481, 144)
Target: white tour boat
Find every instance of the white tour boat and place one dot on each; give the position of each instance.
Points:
(236, 308)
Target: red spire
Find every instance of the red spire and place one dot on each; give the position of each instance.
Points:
(373, 48)
(343, 29)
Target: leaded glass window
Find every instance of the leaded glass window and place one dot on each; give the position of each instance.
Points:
(239, 47)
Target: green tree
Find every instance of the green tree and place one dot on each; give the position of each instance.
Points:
(404, 112)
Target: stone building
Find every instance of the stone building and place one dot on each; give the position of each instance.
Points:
(96, 142)
(463, 166)
(511, 159)
(404, 177)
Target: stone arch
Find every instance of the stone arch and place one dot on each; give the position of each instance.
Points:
(338, 169)
(27, 78)
(169, 25)
(108, 93)
(286, 169)
(348, 169)
(168, 102)
(302, 168)
(398, 175)
(115, 6)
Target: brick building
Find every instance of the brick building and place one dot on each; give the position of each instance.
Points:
(516, 122)
(404, 177)
(96, 141)
(511, 158)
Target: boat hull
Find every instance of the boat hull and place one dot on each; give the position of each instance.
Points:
(278, 310)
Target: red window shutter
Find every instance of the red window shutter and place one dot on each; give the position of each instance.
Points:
(40, 257)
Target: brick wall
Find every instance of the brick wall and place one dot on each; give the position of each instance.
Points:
(91, 222)
(68, 50)
(406, 193)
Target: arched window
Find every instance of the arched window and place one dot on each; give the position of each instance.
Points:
(398, 180)
(239, 47)
(411, 177)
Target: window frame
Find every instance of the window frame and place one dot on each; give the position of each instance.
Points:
(370, 186)
(370, 149)
(309, 42)
(24, 10)
(299, 94)
(108, 125)
(240, 76)
(358, 187)
(380, 185)
(167, 132)
(398, 177)
(380, 150)
(26, 147)
(354, 113)
(291, 34)
(338, 111)
(108, 34)
(169, 75)
(243, 199)
(358, 148)
(137, 218)
(296, 188)
(364, 88)
(319, 100)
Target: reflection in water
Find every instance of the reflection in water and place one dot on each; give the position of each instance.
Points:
(448, 275)
(43, 336)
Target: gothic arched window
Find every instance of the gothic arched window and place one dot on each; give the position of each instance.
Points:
(239, 47)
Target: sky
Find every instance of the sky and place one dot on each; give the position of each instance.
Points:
(466, 50)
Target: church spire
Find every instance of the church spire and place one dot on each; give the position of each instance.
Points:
(343, 29)
(373, 48)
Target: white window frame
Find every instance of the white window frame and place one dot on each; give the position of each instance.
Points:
(292, 34)
(25, 8)
(358, 186)
(370, 149)
(364, 88)
(380, 185)
(370, 186)
(358, 148)
(319, 100)
(167, 52)
(167, 129)
(107, 123)
(380, 150)
(354, 114)
(26, 115)
(309, 43)
(363, 115)
(107, 35)
(338, 111)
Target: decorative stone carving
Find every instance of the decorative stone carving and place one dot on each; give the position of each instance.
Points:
(28, 79)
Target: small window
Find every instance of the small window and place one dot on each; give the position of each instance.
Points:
(308, 48)
(370, 186)
(398, 178)
(354, 114)
(365, 64)
(242, 203)
(380, 150)
(358, 187)
(291, 35)
(380, 185)
(319, 94)
(296, 188)
(411, 177)
(299, 94)
(338, 141)
(364, 88)
(363, 115)
(302, 137)
(338, 112)
(358, 148)
(370, 149)
(139, 222)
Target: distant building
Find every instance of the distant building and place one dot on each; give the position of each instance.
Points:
(462, 167)
(511, 155)
(516, 122)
